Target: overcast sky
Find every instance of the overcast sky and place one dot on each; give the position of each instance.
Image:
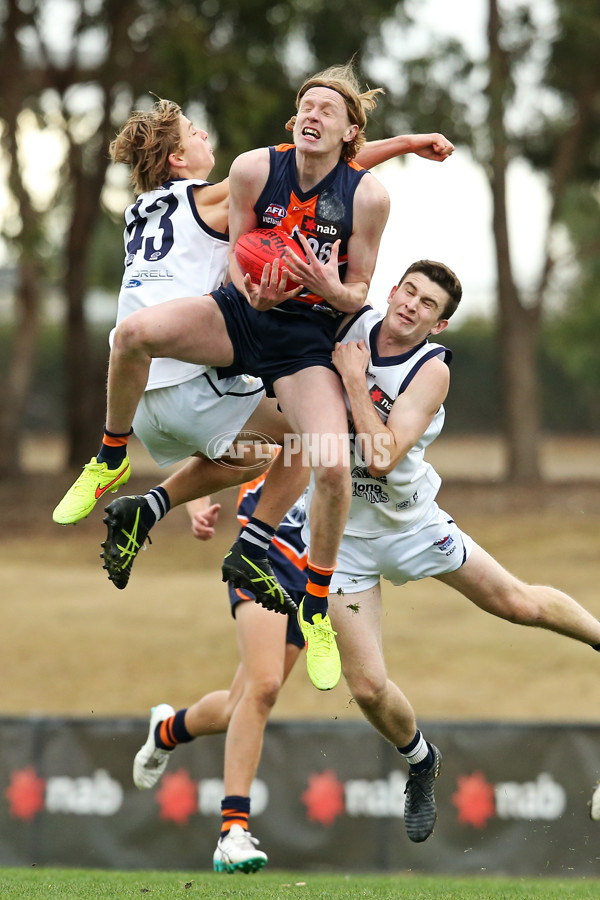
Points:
(443, 211)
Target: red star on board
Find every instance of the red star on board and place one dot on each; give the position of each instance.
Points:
(324, 798)
(25, 794)
(177, 797)
(376, 395)
(308, 224)
(474, 800)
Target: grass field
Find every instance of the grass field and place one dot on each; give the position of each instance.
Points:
(47, 884)
(61, 613)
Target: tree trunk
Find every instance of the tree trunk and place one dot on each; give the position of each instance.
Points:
(18, 380)
(518, 343)
(518, 326)
(85, 404)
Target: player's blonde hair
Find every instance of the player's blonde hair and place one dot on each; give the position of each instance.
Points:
(145, 143)
(344, 81)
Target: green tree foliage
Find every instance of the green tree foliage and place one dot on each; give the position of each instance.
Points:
(77, 69)
(535, 95)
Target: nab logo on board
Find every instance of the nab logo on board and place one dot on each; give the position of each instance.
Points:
(180, 796)
(326, 797)
(28, 794)
(476, 799)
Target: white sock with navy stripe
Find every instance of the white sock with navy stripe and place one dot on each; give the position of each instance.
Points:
(417, 753)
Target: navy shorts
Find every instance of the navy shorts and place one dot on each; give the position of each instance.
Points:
(275, 342)
(294, 634)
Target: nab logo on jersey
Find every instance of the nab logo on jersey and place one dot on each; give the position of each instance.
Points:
(381, 400)
(318, 228)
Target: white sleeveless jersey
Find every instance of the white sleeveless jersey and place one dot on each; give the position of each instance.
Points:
(170, 252)
(395, 501)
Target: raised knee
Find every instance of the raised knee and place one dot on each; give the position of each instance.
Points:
(130, 334)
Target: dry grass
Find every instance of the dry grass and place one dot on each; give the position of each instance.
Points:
(73, 644)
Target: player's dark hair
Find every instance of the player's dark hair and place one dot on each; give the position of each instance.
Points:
(443, 277)
(145, 143)
(343, 80)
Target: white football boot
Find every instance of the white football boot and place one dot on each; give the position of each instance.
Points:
(236, 852)
(151, 761)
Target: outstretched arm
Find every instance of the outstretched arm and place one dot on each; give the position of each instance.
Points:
(429, 146)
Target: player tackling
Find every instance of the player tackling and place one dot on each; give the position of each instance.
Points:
(395, 528)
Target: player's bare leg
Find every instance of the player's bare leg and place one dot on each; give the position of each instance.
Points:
(313, 403)
(129, 519)
(266, 660)
(492, 588)
(191, 329)
(357, 620)
(263, 651)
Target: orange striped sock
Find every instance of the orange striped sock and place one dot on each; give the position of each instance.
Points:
(235, 810)
(113, 449)
(317, 590)
(172, 731)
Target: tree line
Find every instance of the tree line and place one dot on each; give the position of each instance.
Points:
(244, 61)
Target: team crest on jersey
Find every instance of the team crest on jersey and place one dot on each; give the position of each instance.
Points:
(321, 229)
(445, 544)
(381, 400)
(274, 213)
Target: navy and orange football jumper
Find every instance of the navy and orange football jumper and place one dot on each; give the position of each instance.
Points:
(300, 332)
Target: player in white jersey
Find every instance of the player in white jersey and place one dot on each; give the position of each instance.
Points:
(396, 529)
(168, 247)
(175, 237)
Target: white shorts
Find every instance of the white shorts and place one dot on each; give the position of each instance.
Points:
(203, 415)
(433, 546)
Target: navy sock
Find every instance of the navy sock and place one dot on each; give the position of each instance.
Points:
(313, 605)
(256, 538)
(114, 452)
